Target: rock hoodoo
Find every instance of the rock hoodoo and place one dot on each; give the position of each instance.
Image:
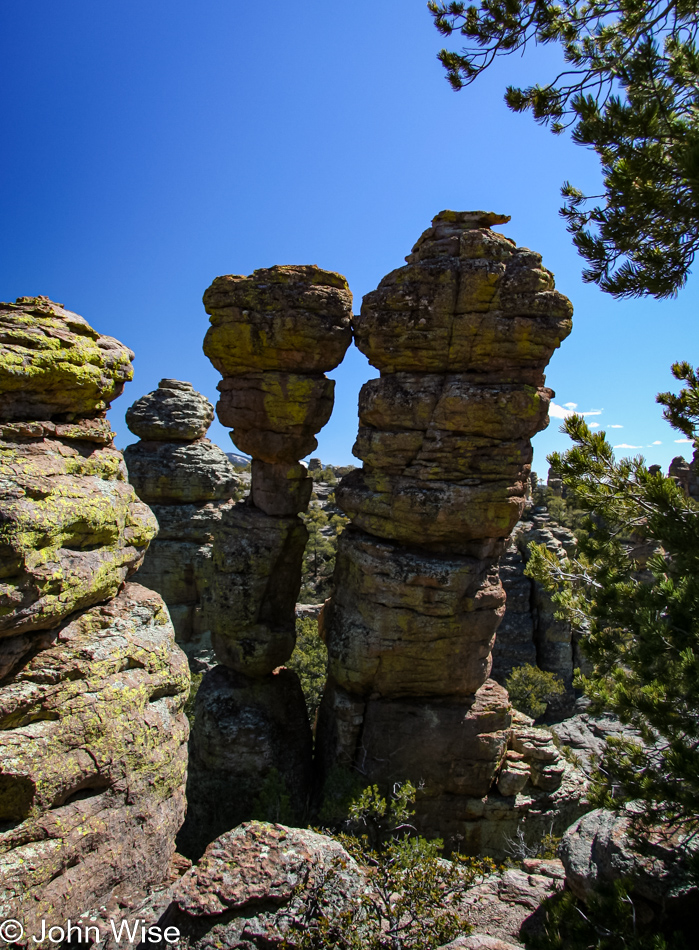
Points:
(461, 335)
(273, 336)
(189, 483)
(92, 686)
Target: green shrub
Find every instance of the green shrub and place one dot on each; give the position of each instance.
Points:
(310, 661)
(411, 902)
(531, 689)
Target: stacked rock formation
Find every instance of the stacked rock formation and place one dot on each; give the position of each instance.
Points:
(189, 483)
(461, 335)
(92, 686)
(273, 336)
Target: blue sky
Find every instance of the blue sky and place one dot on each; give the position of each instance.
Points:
(150, 147)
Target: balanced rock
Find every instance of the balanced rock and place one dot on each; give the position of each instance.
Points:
(273, 335)
(190, 484)
(462, 335)
(174, 412)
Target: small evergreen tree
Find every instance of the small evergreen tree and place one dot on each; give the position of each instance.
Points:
(643, 637)
(531, 689)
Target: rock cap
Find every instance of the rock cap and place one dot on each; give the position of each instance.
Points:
(53, 363)
(288, 318)
(174, 412)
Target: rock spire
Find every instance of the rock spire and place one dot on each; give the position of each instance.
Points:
(189, 483)
(461, 335)
(92, 686)
(273, 336)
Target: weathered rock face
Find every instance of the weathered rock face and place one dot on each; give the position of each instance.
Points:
(461, 335)
(190, 483)
(93, 752)
(245, 728)
(530, 631)
(599, 849)
(71, 530)
(273, 336)
(92, 686)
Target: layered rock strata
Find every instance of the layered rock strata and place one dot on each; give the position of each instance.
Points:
(273, 336)
(92, 686)
(530, 632)
(189, 484)
(461, 336)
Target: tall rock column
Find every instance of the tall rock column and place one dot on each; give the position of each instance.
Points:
(92, 686)
(273, 336)
(461, 335)
(189, 483)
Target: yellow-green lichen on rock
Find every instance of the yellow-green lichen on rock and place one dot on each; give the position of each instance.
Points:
(93, 760)
(71, 530)
(52, 363)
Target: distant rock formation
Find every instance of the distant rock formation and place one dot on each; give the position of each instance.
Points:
(529, 632)
(461, 336)
(92, 686)
(273, 336)
(189, 483)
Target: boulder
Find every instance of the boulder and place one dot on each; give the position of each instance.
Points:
(599, 849)
(53, 364)
(94, 758)
(245, 890)
(246, 732)
(174, 412)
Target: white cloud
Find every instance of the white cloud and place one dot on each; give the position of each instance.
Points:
(685, 441)
(656, 443)
(594, 425)
(625, 445)
(615, 427)
(562, 412)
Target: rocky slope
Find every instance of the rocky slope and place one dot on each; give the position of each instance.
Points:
(92, 686)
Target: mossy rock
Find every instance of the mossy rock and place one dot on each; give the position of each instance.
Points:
(52, 363)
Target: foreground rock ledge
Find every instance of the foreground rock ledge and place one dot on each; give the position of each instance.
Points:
(94, 759)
